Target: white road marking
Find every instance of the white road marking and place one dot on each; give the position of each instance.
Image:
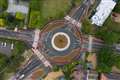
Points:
(36, 39)
(90, 43)
(42, 58)
(72, 21)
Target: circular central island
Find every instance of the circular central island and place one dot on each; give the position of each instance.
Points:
(60, 41)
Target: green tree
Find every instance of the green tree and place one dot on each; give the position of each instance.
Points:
(3, 4)
(117, 60)
(109, 37)
(117, 7)
(69, 68)
(87, 27)
(105, 60)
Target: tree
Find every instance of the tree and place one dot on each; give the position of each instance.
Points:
(117, 60)
(117, 7)
(105, 60)
(12, 22)
(3, 5)
(87, 27)
(68, 69)
(109, 37)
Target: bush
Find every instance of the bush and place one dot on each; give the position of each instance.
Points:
(76, 2)
(20, 16)
(87, 27)
(117, 60)
(35, 19)
(2, 22)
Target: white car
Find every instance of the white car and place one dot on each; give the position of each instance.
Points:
(21, 76)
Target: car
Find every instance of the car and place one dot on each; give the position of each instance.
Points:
(21, 76)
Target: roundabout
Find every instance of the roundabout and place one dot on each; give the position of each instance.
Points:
(61, 43)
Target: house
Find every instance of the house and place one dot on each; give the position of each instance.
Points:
(13, 7)
(103, 11)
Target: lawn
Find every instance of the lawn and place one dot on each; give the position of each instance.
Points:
(47, 10)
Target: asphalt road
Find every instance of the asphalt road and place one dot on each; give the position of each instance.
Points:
(81, 10)
(31, 66)
(34, 63)
(25, 36)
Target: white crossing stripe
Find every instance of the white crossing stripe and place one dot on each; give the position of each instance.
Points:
(72, 21)
(90, 43)
(42, 58)
(36, 39)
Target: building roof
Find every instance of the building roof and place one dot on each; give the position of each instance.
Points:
(17, 8)
(13, 8)
(103, 11)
